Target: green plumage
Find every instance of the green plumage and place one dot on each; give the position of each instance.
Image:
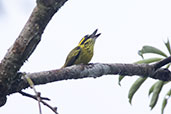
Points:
(83, 53)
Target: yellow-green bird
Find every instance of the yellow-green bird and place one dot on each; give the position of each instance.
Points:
(83, 53)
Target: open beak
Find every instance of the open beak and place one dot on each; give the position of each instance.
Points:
(94, 35)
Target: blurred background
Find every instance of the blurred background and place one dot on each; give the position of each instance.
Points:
(126, 26)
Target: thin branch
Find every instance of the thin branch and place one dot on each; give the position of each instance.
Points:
(32, 96)
(39, 100)
(34, 89)
(37, 96)
(162, 63)
(54, 109)
(91, 71)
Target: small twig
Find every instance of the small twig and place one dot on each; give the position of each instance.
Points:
(38, 96)
(162, 63)
(38, 99)
(54, 109)
(33, 96)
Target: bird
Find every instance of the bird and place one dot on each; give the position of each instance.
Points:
(83, 52)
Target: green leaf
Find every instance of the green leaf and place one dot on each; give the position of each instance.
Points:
(120, 79)
(147, 61)
(135, 86)
(164, 103)
(169, 93)
(150, 49)
(168, 65)
(167, 44)
(157, 88)
(150, 60)
(151, 89)
(167, 96)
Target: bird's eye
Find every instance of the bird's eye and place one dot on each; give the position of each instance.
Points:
(86, 43)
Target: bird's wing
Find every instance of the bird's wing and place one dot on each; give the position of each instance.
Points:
(72, 56)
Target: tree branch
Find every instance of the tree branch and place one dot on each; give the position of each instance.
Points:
(93, 71)
(26, 43)
(12, 81)
(162, 63)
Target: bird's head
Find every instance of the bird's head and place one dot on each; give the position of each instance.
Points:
(89, 40)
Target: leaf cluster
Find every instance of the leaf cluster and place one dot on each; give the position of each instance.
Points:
(156, 88)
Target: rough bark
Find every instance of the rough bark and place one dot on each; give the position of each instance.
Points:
(26, 43)
(93, 71)
(11, 80)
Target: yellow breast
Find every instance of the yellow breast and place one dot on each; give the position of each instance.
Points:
(85, 55)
